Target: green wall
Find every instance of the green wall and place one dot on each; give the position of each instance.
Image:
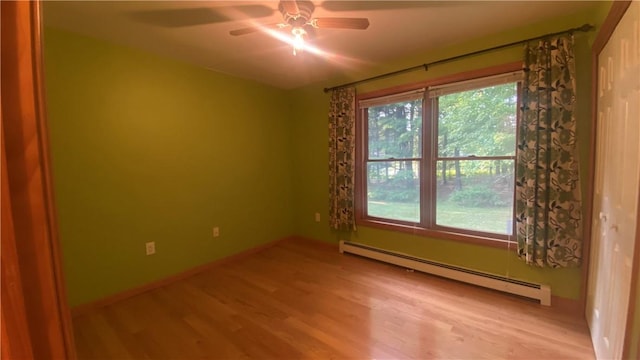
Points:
(149, 149)
(310, 161)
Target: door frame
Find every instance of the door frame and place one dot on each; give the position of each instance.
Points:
(36, 323)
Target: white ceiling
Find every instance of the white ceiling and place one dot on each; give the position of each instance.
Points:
(397, 29)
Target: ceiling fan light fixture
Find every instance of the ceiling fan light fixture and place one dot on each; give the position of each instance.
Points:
(298, 39)
(297, 15)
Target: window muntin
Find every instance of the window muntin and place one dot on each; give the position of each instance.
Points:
(450, 171)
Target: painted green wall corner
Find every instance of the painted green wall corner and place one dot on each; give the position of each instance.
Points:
(600, 12)
(311, 158)
(149, 149)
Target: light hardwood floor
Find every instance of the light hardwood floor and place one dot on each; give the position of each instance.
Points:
(301, 300)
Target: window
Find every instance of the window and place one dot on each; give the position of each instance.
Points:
(441, 158)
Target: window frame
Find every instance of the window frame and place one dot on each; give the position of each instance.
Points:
(427, 226)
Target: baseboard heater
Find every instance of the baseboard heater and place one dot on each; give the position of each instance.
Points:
(517, 287)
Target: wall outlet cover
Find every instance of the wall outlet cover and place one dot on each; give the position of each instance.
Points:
(150, 247)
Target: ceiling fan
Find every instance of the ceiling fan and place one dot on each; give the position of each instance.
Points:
(297, 14)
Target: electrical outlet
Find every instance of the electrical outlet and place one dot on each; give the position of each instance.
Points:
(216, 231)
(150, 247)
(317, 217)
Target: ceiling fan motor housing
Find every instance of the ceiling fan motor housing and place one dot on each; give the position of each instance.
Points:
(305, 9)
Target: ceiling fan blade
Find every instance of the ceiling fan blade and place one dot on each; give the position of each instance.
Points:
(341, 23)
(244, 31)
(291, 7)
(251, 29)
(172, 18)
(331, 5)
(312, 34)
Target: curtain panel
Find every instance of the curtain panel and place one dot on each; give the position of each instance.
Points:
(548, 204)
(342, 140)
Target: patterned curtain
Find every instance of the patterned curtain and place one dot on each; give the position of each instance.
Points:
(548, 206)
(342, 141)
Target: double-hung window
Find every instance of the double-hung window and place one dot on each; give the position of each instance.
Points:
(440, 159)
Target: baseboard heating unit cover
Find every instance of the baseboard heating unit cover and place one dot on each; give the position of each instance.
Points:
(533, 291)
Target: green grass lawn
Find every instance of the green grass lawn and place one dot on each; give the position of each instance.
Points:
(488, 219)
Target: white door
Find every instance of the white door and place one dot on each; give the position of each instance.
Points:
(616, 186)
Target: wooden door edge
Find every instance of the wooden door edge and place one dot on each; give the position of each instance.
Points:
(45, 156)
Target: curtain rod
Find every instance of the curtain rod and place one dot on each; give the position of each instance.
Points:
(583, 28)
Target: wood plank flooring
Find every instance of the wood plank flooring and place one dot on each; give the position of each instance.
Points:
(299, 300)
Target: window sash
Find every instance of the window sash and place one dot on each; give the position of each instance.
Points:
(395, 98)
(488, 224)
(461, 86)
(474, 157)
(412, 211)
(393, 159)
(391, 99)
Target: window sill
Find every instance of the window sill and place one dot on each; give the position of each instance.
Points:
(439, 234)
